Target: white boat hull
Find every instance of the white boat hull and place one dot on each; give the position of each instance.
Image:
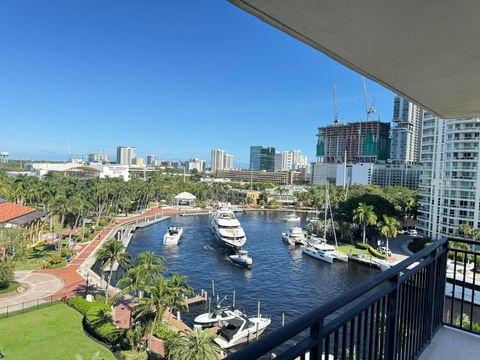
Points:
(318, 254)
(172, 239)
(246, 335)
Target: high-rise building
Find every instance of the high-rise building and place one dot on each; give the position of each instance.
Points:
(228, 162)
(406, 131)
(290, 160)
(126, 155)
(98, 157)
(196, 164)
(218, 159)
(221, 161)
(151, 160)
(450, 191)
(262, 158)
(362, 141)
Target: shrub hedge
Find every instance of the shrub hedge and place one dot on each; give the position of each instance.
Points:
(362, 246)
(134, 355)
(376, 253)
(99, 323)
(80, 304)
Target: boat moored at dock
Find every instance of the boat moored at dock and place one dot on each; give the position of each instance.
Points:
(241, 329)
(292, 218)
(295, 236)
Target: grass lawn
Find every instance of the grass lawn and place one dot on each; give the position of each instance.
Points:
(53, 333)
(40, 255)
(13, 286)
(351, 249)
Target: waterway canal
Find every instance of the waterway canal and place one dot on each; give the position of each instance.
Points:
(283, 279)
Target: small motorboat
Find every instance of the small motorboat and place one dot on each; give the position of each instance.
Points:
(292, 218)
(296, 236)
(215, 318)
(172, 236)
(242, 259)
(241, 329)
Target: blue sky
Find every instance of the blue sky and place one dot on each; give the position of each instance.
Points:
(173, 78)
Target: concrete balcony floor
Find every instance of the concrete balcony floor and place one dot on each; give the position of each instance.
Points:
(452, 344)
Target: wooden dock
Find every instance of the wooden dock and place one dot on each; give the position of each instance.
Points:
(198, 298)
(364, 260)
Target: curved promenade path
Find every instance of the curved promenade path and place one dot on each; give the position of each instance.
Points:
(73, 282)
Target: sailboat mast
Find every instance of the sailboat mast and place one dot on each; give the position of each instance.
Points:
(325, 224)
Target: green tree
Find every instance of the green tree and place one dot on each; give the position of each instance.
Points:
(112, 251)
(364, 216)
(198, 345)
(388, 228)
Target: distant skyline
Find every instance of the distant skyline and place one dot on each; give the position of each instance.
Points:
(173, 79)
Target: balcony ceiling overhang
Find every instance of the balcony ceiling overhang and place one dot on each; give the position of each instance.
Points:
(427, 51)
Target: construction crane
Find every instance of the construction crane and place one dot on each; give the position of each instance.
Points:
(368, 109)
(335, 109)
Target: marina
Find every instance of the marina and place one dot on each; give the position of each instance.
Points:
(279, 272)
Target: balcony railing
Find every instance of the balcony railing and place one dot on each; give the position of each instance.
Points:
(393, 315)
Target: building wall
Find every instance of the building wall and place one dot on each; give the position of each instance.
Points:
(126, 155)
(279, 178)
(406, 131)
(262, 158)
(450, 178)
(217, 159)
(322, 173)
(363, 141)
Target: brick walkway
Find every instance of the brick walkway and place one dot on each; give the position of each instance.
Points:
(73, 282)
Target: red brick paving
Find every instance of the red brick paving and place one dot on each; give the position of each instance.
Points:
(73, 282)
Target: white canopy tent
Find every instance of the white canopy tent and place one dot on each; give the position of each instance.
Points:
(185, 199)
(427, 51)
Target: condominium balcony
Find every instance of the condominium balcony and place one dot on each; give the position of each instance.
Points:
(423, 307)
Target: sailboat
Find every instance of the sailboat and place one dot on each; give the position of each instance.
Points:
(318, 247)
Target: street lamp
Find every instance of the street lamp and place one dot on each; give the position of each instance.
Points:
(87, 284)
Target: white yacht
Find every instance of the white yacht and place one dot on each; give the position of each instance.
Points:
(173, 235)
(215, 318)
(227, 229)
(241, 329)
(295, 236)
(292, 218)
(242, 259)
(325, 255)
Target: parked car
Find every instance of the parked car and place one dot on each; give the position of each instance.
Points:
(412, 232)
(383, 250)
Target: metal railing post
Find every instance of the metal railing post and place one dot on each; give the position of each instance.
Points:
(392, 319)
(316, 333)
(432, 278)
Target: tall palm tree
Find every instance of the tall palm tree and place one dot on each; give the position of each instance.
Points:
(364, 216)
(112, 251)
(137, 278)
(465, 230)
(177, 291)
(155, 303)
(198, 345)
(388, 228)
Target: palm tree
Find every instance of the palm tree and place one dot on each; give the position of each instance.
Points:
(177, 291)
(465, 230)
(198, 345)
(155, 303)
(112, 251)
(388, 229)
(364, 216)
(146, 267)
